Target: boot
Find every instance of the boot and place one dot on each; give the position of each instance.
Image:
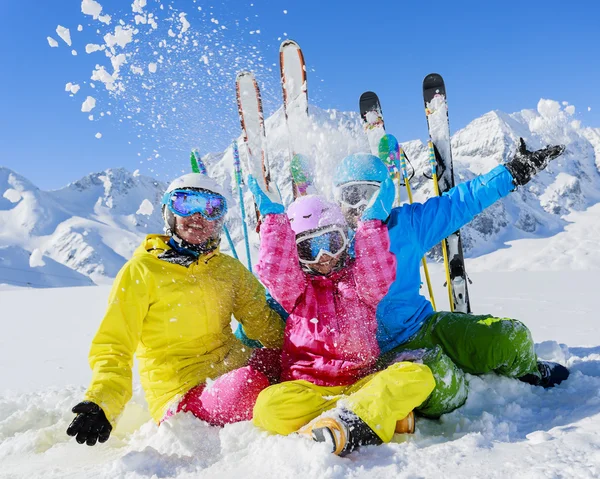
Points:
(406, 425)
(551, 374)
(343, 430)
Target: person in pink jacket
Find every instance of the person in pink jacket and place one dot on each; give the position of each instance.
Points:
(330, 390)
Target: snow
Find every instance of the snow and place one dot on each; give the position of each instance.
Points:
(53, 43)
(64, 33)
(185, 25)
(36, 259)
(92, 47)
(72, 88)
(12, 195)
(100, 74)
(98, 135)
(121, 37)
(86, 229)
(91, 7)
(146, 208)
(89, 104)
(138, 6)
(548, 108)
(152, 67)
(513, 429)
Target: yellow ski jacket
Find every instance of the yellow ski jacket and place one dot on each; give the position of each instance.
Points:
(178, 319)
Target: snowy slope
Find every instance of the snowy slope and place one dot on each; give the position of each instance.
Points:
(506, 429)
(83, 232)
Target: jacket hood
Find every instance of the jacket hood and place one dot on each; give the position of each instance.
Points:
(152, 243)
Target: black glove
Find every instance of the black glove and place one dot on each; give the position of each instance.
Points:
(90, 424)
(527, 163)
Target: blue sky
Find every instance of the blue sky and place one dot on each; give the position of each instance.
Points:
(494, 55)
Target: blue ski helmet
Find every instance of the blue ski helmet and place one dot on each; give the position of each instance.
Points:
(360, 167)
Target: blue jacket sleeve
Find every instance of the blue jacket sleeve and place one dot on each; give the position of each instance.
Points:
(441, 216)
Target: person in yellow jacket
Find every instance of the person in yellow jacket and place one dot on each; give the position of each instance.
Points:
(171, 304)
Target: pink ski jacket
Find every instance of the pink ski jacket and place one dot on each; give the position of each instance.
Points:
(330, 335)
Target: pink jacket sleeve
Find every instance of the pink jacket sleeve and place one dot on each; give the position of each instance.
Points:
(374, 265)
(278, 266)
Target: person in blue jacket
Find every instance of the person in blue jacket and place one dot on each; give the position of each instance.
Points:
(408, 327)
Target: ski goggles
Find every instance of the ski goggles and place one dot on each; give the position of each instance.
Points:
(312, 247)
(211, 206)
(357, 193)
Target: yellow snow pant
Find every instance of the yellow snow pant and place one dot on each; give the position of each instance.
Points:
(379, 400)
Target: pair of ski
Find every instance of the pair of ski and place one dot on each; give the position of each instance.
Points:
(295, 105)
(440, 157)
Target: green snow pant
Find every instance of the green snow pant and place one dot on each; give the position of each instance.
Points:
(454, 343)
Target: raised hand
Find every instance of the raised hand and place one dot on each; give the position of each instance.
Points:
(381, 204)
(526, 164)
(269, 203)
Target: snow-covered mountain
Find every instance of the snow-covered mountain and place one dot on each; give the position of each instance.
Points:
(88, 229)
(569, 184)
(78, 235)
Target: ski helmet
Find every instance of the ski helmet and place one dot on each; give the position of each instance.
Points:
(360, 167)
(194, 181)
(311, 212)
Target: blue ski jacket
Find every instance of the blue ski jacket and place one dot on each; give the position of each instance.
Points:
(414, 230)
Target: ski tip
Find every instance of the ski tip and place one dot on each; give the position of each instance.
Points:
(369, 101)
(288, 42)
(244, 73)
(369, 96)
(433, 80)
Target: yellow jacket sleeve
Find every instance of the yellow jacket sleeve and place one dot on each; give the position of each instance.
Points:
(252, 310)
(115, 343)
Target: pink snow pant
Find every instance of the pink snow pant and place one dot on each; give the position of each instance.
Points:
(231, 397)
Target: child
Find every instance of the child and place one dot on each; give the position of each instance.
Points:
(331, 392)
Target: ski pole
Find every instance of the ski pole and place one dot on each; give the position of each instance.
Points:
(238, 178)
(410, 200)
(433, 163)
(198, 166)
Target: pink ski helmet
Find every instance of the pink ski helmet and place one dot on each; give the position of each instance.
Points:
(311, 212)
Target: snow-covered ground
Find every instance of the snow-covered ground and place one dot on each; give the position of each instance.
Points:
(506, 429)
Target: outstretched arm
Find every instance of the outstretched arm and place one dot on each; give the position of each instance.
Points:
(375, 266)
(113, 347)
(251, 309)
(439, 217)
(278, 264)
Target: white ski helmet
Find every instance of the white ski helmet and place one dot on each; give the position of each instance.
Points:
(197, 181)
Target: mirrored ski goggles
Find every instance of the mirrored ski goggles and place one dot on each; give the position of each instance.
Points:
(357, 193)
(312, 247)
(187, 202)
